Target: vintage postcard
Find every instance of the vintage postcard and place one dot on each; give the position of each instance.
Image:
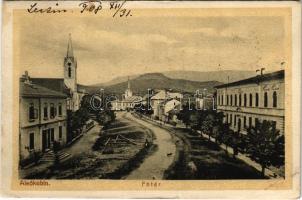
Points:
(151, 99)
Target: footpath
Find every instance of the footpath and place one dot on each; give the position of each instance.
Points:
(244, 158)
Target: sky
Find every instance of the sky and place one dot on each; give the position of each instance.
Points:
(107, 47)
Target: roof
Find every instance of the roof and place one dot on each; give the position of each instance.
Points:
(33, 90)
(56, 84)
(255, 79)
(160, 95)
(133, 98)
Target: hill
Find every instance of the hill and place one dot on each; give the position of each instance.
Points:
(142, 83)
(220, 76)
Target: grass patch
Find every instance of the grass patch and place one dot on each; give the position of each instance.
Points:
(131, 164)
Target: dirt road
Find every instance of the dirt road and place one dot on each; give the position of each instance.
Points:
(155, 165)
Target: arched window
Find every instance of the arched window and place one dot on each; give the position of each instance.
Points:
(239, 99)
(231, 100)
(257, 100)
(251, 100)
(69, 72)
(265, 99)
(275, 99)
(235, 99)
(245, 100)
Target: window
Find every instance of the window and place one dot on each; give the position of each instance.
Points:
(60, 132)
(31, 141)
(274, 125)
(275, 101)
(265, 99)
(52, 110)
(235, 99)
(33, 113)
(227, 100)
(234, 120)
(245, 100)
(221, 99)
(231, 100)
(60, 109)
(218, 100)
(257, 100)
(239, 99)
(52, 134)
(244, 121)
(69, 72)
(256, 121)
(250, 122)
(45, 111)
(231, 118)
(251, 100)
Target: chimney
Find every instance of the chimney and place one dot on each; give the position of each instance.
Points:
(262, 69)
(25, 77)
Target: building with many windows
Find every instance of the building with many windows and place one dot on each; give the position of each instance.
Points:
(248, 101)
(42, 118)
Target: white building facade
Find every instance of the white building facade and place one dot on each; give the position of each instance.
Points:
(42, 119)
(252, 100)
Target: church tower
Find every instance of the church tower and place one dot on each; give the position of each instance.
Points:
(128, 92)
(70, 68)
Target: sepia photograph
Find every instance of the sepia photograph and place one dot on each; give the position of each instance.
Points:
(170, 96)
(193, 99)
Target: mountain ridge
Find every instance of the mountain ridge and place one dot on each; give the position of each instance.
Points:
(223, 76)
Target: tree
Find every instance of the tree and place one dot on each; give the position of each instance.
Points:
(184, 114)
(208, 125)
(218, 126)
(265, 145)
(227, 136)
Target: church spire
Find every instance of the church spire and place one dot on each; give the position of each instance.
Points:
(69, 47)
(128, 83)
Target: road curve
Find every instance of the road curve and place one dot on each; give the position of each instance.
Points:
(154, 166)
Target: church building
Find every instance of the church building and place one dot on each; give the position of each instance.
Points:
(128, 100)
(67, 85)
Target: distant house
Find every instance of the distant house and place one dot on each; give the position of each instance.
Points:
(161, 98)
(42, 118)
(157, 100)
(205, 102)
(168, 110)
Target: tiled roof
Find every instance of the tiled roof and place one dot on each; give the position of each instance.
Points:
(56, 84)
(34, 90)
(256, 79)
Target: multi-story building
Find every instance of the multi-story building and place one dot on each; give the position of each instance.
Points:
(42, 118)
(248, 101)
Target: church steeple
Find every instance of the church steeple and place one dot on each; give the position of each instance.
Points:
(128, 83)
(69, 47)
(70, 68)
(128, 92)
